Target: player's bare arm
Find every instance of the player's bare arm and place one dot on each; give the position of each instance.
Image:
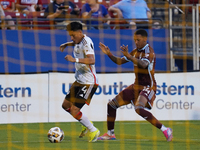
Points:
(89, 60)
(64, 45)
(140, 63)
(105, 49)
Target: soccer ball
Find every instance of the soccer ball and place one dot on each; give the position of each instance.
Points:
(55, 135)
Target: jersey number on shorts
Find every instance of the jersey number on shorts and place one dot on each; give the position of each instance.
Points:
(147, 90)
(83, 91)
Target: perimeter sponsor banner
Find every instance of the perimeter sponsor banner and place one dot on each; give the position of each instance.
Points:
(177, 97)
(24, 98)
(38, 97)
(110, 85)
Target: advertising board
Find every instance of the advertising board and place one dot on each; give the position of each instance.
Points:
(38, 97)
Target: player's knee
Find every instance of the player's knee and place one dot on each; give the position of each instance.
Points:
(113, 104)
(64, 106)
(67, 109)
(138, 108)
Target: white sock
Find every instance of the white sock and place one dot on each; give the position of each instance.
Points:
(86, 122)
(111, 132)
(163, 128)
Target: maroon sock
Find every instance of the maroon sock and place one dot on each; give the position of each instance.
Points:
(111, 116)
(149, 117)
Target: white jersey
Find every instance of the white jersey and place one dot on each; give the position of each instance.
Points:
(85, 74)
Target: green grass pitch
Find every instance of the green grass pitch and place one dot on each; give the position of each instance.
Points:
(131, 135)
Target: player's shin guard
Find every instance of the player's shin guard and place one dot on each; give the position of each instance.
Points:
(85, 121)
(111, 113)
(148, 116)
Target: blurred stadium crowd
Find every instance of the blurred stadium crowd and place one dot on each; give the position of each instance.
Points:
(94, 14)
(179, 19)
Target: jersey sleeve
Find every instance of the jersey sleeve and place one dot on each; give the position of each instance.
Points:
(146, 7)
(150, 57)
(118, 5)
(88, 48)
(85, 8)
(104, 10)
(146, 57)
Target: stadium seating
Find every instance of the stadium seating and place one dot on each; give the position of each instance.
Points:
(21, 20)
(36, 20)
(39, 21)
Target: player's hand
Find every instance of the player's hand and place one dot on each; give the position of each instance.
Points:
(105, 49)
(70, 58)
(62, 47)
(124, 50)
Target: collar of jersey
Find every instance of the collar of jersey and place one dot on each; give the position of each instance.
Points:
(143, 47)
(82, 38)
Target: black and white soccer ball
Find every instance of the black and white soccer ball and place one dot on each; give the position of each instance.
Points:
(55, 135)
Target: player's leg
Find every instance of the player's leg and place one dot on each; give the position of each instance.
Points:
(87, 125)
(145, 99)
(78, 115)
(123, 98)
(75, 100)
(139, 108)
(112, 107)
(66, 105)
(75, 111)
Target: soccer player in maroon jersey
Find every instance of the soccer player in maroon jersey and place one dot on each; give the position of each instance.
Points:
(142, 92)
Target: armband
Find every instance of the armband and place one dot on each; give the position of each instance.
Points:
(126, 58)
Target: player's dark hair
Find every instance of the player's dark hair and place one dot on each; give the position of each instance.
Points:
(74, 26)
(141, 32)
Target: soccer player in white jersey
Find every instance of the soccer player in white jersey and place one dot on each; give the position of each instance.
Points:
(86, 82)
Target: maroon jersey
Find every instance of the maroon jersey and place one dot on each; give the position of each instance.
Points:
(145, 77)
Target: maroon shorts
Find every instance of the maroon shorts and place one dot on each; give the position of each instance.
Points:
(132, 92)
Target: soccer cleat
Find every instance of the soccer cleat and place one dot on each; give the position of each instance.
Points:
(107, 137)
(83, 131)
(94, 135)
(168, 134)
